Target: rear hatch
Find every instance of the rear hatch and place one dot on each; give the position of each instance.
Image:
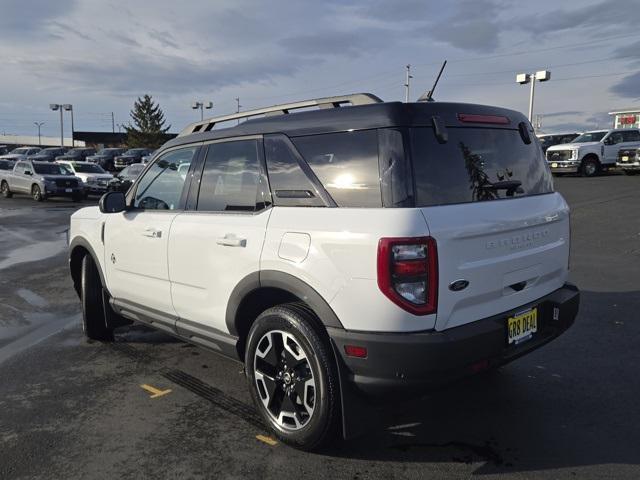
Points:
(487, 196)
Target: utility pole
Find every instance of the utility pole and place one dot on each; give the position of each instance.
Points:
(524, 78)
(113, 123)
(39, 124)
(407, 84)
(238, 107)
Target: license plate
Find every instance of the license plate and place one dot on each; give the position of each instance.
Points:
(68, 190)
(521, 327)
(625, 158)
(554, 165)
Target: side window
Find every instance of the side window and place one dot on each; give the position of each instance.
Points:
(396, 177)
(230, 178)
(20, 167)
(161, 187)
(346, 164)
(615, 138)
(290, 185)
(631, 136)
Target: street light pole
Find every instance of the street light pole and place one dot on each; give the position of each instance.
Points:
(39, 124)
(524, 78)
(202, 106)
(69, 108)
(54, 107)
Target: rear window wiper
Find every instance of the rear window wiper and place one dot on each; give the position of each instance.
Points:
(511, 186)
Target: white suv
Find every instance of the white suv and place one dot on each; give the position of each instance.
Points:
(338, 253)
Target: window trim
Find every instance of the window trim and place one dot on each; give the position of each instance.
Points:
(133, 190)
(263, 190)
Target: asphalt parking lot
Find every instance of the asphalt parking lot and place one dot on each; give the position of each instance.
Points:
(73, 409)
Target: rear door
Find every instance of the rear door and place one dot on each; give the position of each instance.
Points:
(218, 244)
(488, 201)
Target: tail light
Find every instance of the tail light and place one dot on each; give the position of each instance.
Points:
(408, 273)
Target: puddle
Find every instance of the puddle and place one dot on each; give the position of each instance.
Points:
(33, 252)
(32, 298)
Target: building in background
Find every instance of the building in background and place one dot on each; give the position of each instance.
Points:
(629, 118)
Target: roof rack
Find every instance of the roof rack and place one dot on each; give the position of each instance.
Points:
(283, 109)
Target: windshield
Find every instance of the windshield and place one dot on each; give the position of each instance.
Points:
(20, 151)
(135, 151)
(88, 168)
(476, 164)
(51, 169)
(589, 137)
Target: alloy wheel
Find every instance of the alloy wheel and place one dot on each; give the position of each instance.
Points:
(284, 380)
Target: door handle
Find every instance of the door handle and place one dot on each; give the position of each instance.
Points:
(230, 240)
(152, 233)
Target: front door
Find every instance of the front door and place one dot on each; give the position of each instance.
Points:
(214, 247)
(136, 240)
(612, 144)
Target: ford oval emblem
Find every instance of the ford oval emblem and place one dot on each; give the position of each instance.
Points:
(458, 285)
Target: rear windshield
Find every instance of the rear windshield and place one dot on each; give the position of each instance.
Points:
(476, 164)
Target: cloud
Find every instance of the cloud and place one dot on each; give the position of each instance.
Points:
(164, 37)
(566, 113)
(628, 87)
(27, 18)
(352, 43)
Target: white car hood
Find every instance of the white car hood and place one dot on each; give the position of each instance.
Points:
(572, 146)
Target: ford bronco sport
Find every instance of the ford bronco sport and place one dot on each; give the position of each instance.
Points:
(339, 253)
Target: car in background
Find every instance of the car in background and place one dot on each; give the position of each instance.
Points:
(20, 153)
(47, 154)
(4, 149)
(629, 161)
(549, 140)
(105, 157)
(123, 180)
(147, 158)
(77, 154)
(41, 180)
(131, 156)
(6, 164)
(94, 177)
(592, 152)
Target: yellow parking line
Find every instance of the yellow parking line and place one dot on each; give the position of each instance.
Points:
(155, 393)
(267, 440)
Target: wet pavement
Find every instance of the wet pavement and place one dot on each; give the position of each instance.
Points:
(76, 409)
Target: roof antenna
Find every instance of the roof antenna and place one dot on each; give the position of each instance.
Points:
(428, 95)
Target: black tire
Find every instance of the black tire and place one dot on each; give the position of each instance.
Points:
(297, 321)
(36, 193)
(93, 319)
(590, 167)
(6, 192)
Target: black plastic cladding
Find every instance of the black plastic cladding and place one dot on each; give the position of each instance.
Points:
(341, 119)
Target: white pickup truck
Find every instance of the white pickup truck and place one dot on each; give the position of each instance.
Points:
(591, 152)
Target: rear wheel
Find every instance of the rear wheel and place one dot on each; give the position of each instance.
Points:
(6, 193)
(94, 324)
(590, 167)
(292, 376)
(36, 193)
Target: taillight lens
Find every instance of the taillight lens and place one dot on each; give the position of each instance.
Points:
(408, 273)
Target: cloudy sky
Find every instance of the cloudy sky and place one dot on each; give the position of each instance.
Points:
(100, 55)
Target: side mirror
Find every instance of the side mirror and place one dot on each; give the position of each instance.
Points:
(28, 172)
(112, 202)
(608, 141)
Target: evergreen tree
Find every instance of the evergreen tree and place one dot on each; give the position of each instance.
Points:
(148, 129)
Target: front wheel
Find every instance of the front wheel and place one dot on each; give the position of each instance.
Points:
(6, 193)
(36, 193)
(94, 324)
(590, 167)
(293, 377)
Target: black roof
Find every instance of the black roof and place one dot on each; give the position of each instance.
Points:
(361, 117)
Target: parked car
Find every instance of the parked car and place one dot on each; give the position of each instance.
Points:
(591, 152)
(131, 156)
(41, 180)
(47, 154)
(125, 178)
(629, 161)
(4, 149)
(6, 164)
(105, 157)
(77, 154)
(551, 139)
(94, 177)
(394, 246)
(147, 158)
(20, 153)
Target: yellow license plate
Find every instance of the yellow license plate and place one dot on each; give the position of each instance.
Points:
(554, 165)
(625, 158)
(521, 327)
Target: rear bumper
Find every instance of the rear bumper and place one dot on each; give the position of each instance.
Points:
(418, 361)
